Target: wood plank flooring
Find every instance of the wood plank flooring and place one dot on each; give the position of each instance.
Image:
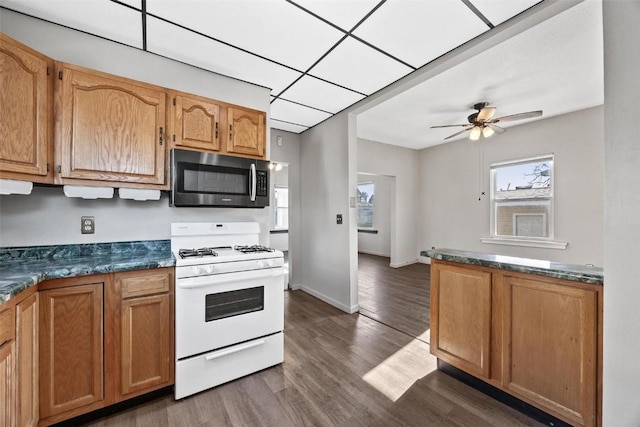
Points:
(397, 297)
(340, 370)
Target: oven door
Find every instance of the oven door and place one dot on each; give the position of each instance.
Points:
(223, 309)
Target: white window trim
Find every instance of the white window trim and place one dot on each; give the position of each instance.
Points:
(535, 242)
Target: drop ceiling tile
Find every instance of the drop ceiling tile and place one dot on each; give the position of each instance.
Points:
(294, 113)
(498, 11)
(100, 17)
(290, 127)
(356, 66)
(177, 43)
(417, 32)
(320, 94)
(275, 30)
(133, 3)
(345, 14)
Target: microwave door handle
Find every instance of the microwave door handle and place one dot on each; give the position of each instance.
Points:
(252, 178)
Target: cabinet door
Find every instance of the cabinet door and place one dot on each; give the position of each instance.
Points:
(461, 317)
(146, 331)
(27, 361)
(246, 132)
(25, 112)
(551, 348)
(111, 129)
(7, 384)
(196, 122)
(71, 357)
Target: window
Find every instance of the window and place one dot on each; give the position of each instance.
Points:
(365, 204)
(522, 199)
(281, 207)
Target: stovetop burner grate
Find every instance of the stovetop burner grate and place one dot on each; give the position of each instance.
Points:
(201, 252)
(252, 249)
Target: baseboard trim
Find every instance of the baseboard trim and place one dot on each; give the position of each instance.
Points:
(424, 260)
(373, 253)
(402, 264)
(295, 287)
(327, 299)
(501, 396)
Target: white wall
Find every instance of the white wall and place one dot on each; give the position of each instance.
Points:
(289, 152)
(325, 246)
(451, 215)
(621, 400)
(379, 243)
(401, 163)
(47, 217)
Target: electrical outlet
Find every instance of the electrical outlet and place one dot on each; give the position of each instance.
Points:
(87, 225)
(339, 219)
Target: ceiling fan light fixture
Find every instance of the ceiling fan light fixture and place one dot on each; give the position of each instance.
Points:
(487, 131)
(475, 133)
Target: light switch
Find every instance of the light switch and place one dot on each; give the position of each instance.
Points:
(339, 219)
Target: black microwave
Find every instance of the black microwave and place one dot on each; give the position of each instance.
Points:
(213, 180)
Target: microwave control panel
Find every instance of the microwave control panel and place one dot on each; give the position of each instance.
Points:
(262, 185)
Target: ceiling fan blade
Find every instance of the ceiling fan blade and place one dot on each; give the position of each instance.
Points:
(448, 126)
(486, 113)
(496, 129)
(518, 116)
(458, 133)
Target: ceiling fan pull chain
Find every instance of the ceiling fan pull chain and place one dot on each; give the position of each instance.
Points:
(480, 169)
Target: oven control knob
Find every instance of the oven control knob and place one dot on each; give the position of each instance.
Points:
(270, 263)
(196, 270)
(208, 269)
(260, 264)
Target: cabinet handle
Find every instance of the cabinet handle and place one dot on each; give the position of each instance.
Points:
(216, 130)
(161, 135)
(231, 132)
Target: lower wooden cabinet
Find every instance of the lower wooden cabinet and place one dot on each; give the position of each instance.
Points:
(102, 339)
(7, 368)
(536, 338)
(27, 371)
(71, 352)
(145, 333)
(550, 352)
(461, 317)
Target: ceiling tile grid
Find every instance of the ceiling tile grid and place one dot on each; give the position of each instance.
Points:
(318, 56)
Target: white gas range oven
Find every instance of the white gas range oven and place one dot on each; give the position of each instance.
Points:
(229, 304)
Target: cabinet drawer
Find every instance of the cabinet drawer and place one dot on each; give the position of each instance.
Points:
(136, 283)
(7, 326)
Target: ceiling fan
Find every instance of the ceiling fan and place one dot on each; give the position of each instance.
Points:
(482, 123)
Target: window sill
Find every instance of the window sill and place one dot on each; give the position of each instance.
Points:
(279, 231)
(367, 230)
(549, 244)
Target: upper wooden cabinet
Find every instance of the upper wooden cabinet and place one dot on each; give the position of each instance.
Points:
(26, 113)
(109, 129)
(196, 122)
(246, 132)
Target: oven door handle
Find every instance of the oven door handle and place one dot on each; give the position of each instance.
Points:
(233, 350)
(218, 279)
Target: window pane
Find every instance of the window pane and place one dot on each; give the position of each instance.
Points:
(365, 204)
(522, 198)
(523, 218)
(281, 211)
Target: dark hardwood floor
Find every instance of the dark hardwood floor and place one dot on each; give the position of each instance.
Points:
(397, 297)
(340, 370)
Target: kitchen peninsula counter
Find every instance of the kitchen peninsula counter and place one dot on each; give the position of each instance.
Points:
(24, 267)
(575, 272)
(526, 328)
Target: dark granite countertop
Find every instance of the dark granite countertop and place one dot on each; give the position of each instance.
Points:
(575, 272)
(23, 267)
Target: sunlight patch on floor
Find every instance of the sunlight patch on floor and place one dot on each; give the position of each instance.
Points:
(397, 373)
